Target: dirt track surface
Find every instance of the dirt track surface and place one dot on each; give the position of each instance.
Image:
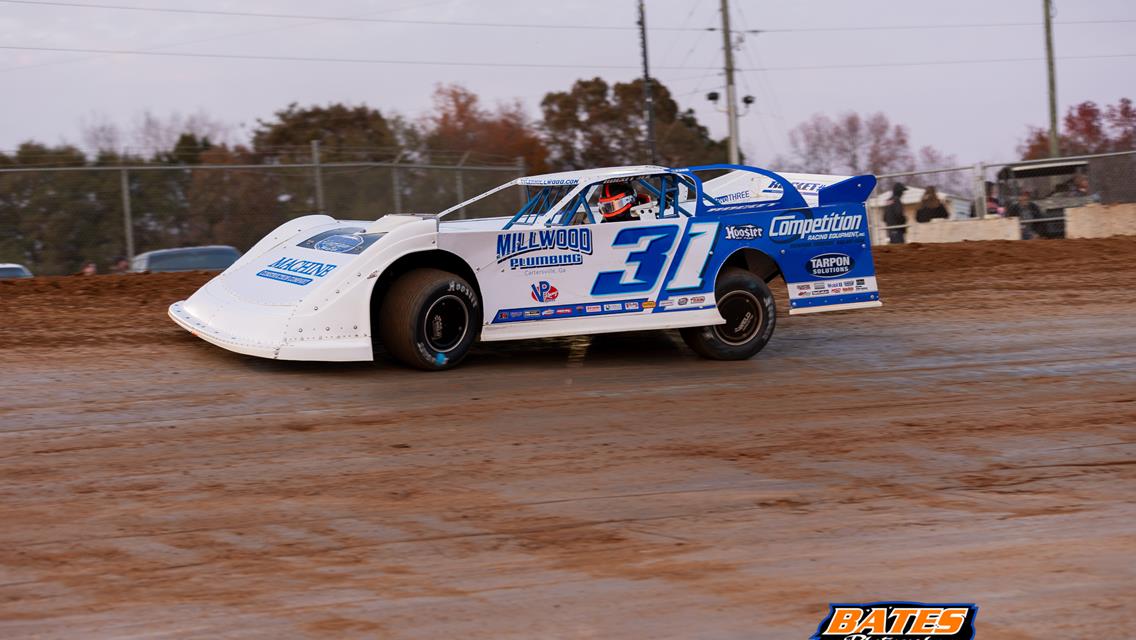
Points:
(972, 441)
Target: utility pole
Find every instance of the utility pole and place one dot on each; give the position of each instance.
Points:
(648, 94)
(731, 92)
(1047, 7)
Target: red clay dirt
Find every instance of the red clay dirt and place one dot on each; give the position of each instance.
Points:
(971, 441)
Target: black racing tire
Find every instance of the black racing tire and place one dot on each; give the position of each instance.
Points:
(746, 303)
(429, 319)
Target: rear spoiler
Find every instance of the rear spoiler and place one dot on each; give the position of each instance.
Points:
(817, 189)
(854, 190)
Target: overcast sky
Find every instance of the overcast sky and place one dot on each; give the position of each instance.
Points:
(976, 111)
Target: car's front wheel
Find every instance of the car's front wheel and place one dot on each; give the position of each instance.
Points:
(746, 303)
(429, 319)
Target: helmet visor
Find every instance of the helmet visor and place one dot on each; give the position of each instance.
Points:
(616, 205)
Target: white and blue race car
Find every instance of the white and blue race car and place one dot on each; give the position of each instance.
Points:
(692, 249)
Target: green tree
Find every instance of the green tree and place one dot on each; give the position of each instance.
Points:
(344, 133)
(595, 124)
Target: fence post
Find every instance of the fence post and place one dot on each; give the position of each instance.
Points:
(127, 218)
(395, 184)
(318, 176)
(979, 190)
(458, 181)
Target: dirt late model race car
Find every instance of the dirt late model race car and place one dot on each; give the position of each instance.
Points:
(593, 251)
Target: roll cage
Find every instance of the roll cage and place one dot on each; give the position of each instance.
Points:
(559, 201)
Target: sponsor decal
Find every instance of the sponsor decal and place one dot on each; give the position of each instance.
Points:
(351, 240)
(296, 266)
(631, 306)
(811, 188)
(616, 306)
(563, 310)
(504, 315)
(698, 299)
(897, 621)
(800, 225)
(516, 314)
(593, 308)
(649, 304)
(682, 301)
(546, 312)
(743, 232)
(532, 313)
(548, 181)
(669, 302)
(543, 291)
(575, 240)
(830, 265)
(730, 197)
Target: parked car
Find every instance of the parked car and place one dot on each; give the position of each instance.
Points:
(10, 270)
(207, 258)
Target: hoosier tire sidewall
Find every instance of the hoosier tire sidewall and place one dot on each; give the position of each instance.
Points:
(404, 316)
(704, 340)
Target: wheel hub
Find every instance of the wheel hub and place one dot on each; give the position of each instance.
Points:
(445, 323)
(743, 313)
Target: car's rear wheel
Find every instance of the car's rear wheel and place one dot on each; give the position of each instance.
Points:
(746, 303)
(429, 319)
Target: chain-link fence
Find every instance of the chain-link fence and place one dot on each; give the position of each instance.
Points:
(1004, 201)
(56, 219)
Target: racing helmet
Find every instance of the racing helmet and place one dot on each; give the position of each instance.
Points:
(615, 199)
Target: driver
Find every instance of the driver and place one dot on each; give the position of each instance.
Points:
(615, 202)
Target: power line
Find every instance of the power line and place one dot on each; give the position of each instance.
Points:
(514, 25)
(180, 43)
(906, 27)
(296, 16)
(528, 65)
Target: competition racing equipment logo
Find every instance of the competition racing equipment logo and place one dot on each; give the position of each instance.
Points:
(543, 291)
(743, 232)
(571, 245)
(830, 265)
(897, 621)
(800, 225)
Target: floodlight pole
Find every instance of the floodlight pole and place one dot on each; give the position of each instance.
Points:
(1054, 147)
(731, 91)
(648, 93)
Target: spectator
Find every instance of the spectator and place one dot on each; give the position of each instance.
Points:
(993, 207)
(120, 265)
(894, 216)
(1026, 210)
(930, 207)
(89, 269)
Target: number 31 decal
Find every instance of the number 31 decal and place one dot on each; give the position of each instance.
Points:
(648, 249)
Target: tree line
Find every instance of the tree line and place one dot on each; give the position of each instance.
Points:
(54, 222)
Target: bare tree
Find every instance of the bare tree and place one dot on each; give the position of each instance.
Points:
(849, 144)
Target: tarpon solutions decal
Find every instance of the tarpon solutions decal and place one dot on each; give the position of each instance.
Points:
(296, 265)
(572, 243)
(830, 265)
(801, 225)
